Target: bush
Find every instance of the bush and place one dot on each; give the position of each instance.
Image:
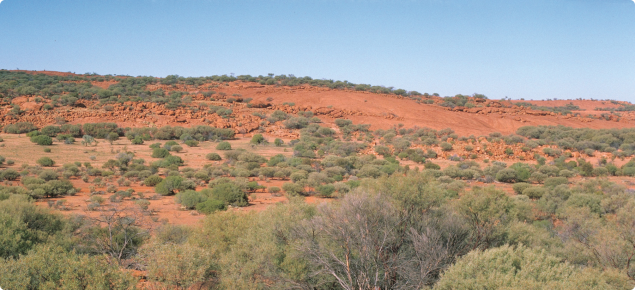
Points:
(152, 180)
(552, 182)
(224, 146)
(230, 193)
(190, 143)
(19, 128)
(326, 190)
(190, 198)
(9, 174)
(177, 148)
(42, 140)
(137, 141)
(509, 267)
(273, 189)
(506, 175)
(211, 206)
(520, 187)
(46, 162)
(293, 189)
(343, 122)
(278, 142)
(445, 146)
(257, 139)
(170, 185)
(213, 157)
(160, 153)
(534, 192)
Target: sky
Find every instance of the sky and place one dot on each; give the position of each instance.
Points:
(531, 49)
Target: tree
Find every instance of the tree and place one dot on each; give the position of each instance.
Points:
(88, 140)
(366, 243)
(116, 231)
(112, 137)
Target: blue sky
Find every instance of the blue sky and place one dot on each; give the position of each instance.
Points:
(532, 49)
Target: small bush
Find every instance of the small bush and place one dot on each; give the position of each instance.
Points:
(46, 162)
(211, 206)
(177, 148)
(44, 140)
(534, 192)
(213, 157)
(278, 142)
(160, 153)
(257, 139)
(224, 146)
(152, 180)
(445, 146)
(191, 143)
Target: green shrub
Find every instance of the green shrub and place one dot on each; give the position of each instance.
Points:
(42, 140)
(445, 146)
(224, 146)
(213, 157)
(190, 198)
(46, 162)
(293, 189)
(152, 180)
(552, 182)
(160, 153)
(230, 193)
(510, 267)
(169, 185)
(191, 143)
(278, 142)
(210, 206)
(326, 190)
(534, 192)
(9, 174)
(137, 141)
(176, 148)
(19, 128)
(257, 139)
(507, 175)
(519, 187)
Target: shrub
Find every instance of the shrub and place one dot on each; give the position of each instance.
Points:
(508, 267)
(190, 198)
(534, 192)
(137, 141)
(46, 162)
(445, 146)
(278, 142)
(257, 139)
(190, 143)
(230, 193)
(273, 189)
(213, 157)
(170, 185)
(19, 128)
(160, 153)
(519, 187)
(42, 140)
(293, 189)
(9, 174)
(177, 148)
(47, 150)
(224, 146)
(152, 180)
(326, 190)
(211, 206)
(552, 182)
(506, 175)
(48, 175)
(343, 122)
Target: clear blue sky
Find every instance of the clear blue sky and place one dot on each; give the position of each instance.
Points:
(531, 49)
